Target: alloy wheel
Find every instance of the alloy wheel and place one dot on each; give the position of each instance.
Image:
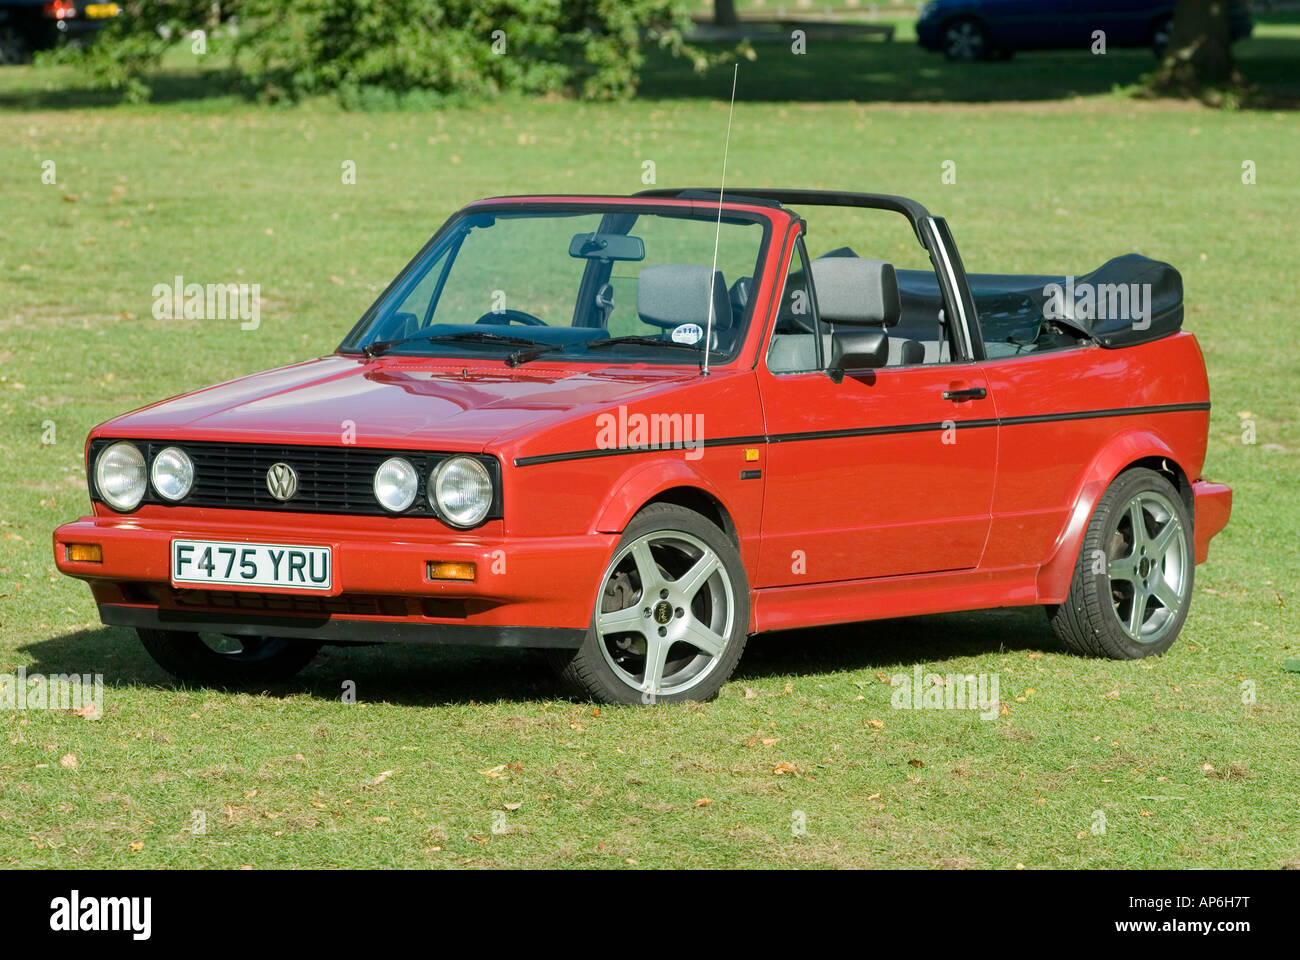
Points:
(666, 612)
(964, 40)
(1148, 567)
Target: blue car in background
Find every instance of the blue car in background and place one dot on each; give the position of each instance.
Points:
(994, 29)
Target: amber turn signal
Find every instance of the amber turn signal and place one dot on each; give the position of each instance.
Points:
(85, 553)
(450, 571)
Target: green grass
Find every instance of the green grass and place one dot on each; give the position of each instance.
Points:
(219, 191)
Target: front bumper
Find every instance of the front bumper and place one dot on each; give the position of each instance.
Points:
(536, 591)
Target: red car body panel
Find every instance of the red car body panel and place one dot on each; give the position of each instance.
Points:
(978, 503)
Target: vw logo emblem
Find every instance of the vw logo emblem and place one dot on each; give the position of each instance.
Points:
(282, 481)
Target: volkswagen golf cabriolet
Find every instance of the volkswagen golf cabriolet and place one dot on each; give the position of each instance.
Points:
(637, 430)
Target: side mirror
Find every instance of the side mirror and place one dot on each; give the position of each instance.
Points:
(856, 350)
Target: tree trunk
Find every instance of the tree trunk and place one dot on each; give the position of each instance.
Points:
(724, 13)
(1199, 54)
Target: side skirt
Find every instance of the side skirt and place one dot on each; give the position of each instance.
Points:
(823, 604)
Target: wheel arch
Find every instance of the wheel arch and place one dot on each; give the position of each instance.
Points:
(1129, 450)
(665, 482)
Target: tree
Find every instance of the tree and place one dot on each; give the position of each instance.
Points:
(724, 13)
(1199, 54)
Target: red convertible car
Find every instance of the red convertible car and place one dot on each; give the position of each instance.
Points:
(637, 430)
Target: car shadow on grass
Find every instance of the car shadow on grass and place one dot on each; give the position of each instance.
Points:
(897, 644)
(427, 675)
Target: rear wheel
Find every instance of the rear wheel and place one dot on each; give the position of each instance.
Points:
(218, 660)
(965, 39)
(672, 616)
(1132, 583)
(14, 48)
(1160, 36)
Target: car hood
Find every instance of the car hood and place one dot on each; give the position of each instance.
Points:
(420, 403)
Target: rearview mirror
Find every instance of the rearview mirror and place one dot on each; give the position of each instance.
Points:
(607, 246)
(856, 350)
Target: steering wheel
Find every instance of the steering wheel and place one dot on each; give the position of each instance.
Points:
(512, 316)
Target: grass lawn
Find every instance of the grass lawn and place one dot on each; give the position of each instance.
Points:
(455, 758)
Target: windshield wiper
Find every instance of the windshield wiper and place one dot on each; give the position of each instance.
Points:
(639, 340)
(524, 356)
(373, 350)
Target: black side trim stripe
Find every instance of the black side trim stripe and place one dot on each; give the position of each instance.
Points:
(868, 432)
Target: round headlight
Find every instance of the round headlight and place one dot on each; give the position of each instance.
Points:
(461, 491)
(120, 476)
(172, 474)
(396, 484)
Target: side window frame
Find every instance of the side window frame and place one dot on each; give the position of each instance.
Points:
(800, 251)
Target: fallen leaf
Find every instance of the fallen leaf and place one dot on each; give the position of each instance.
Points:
(380, 778)
(703, 802)
(68, 761)
(136, 846)
(876, 723)
(751, 694)
(916, 763)
(785, 766)
(512, 806)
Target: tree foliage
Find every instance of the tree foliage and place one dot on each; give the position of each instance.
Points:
(592, 49)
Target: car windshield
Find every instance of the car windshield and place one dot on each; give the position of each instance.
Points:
(610, 284)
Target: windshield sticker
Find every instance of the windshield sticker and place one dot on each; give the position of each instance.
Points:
(688, 333)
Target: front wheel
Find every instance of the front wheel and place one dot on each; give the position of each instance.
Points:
(965, 39)
(671, 618)
(214, 660)
(1132, 583)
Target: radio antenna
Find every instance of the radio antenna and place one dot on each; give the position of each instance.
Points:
(717, 232)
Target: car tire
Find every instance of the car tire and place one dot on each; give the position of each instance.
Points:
(1160, 33)
(1132, 582)
(192, 659)
(678, 639)
(14, 47)
(965, 39)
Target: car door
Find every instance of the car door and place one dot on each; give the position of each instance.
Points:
(887, 473)
(1026, 24)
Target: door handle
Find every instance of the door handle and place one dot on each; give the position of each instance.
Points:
(968, 393)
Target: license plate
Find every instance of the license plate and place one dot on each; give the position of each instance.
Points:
(219, 563)
(98, 11)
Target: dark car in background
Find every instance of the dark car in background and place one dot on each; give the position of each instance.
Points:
(30, 25)
(994, 29)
